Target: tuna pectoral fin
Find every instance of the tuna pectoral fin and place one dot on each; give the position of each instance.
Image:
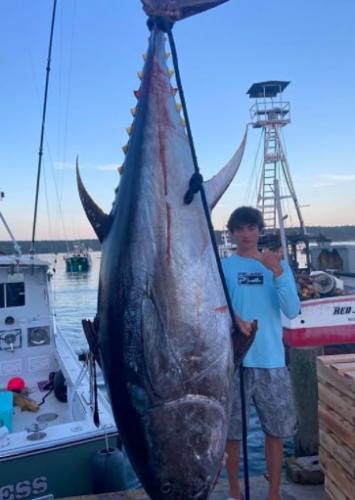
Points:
(91, 337)
(215, 187)
(97, 218)
(178, 9)
(242, 343)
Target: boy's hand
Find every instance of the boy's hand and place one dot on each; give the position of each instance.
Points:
(242, 343)
(271, 260)
(245, 327)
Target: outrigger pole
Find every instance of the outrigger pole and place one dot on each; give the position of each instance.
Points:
(13, 239)
(40, 153)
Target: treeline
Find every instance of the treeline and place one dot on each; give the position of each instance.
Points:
(334, 233)
(48, 246)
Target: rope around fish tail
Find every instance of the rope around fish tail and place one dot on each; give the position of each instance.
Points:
(195, 185)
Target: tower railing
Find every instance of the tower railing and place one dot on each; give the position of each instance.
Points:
(266, 113)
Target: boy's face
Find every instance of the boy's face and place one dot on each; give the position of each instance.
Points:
(247, 236)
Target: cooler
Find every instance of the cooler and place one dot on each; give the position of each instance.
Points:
(6, 409)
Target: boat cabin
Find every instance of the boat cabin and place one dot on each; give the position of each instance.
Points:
(44, 388)
(26, 326)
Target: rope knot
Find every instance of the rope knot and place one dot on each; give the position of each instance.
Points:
(162, 23)
(195, 185)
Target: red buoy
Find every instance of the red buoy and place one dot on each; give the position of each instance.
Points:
(16, 384)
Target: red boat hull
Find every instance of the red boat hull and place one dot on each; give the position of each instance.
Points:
(322, 322)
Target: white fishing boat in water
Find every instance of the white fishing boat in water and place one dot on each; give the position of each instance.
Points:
(47, 395)
(49, 398)
(326, 321)
(336, 258)
(79, 260)
(327, 315)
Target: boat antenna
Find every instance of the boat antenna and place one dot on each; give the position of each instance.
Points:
(40, 153)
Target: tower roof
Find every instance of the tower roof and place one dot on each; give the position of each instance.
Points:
(267, 89)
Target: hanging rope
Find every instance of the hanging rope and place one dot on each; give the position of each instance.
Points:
(195, 185)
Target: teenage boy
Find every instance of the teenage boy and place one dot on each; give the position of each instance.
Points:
(261, 285)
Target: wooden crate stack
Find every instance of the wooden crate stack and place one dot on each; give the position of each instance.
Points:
(336, 386)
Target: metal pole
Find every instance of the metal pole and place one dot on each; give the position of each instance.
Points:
(40, 153)
(16, 245)
(280, 217)
(286, 171)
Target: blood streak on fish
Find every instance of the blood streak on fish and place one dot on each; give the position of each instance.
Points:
(168, 233)
(162, 157)
(222, 309)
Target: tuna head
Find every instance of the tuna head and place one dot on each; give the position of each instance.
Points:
(188, 457)
(163, 325)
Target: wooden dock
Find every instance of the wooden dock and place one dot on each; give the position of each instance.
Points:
(258, 491)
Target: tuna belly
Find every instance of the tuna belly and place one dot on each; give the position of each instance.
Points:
(189, 442)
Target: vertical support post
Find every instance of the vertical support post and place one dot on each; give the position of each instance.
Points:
(303, 373)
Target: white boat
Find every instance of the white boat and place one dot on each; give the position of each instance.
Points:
(43, 447)
(327, 315)
(323, 321)
(49, 443)
(79, 260)
(337, 258)
(326, 318)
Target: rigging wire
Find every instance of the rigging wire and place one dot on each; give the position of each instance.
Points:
(62, 147)
(57, 195)
(38, 105)
(289, 204)
(283, 142)
(47, 205)
(251, 192)
(66, 106)
(40, 153)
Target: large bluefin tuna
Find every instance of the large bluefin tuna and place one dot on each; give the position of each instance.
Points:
(163, 327)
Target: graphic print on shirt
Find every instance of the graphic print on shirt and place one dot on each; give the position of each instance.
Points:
(250, 278)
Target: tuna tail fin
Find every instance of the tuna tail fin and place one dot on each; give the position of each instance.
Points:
(175, 10)
(97, 218)
(217, 185)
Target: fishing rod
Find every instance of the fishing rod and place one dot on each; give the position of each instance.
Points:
(40, 152)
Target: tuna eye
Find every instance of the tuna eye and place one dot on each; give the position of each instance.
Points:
(166, 488)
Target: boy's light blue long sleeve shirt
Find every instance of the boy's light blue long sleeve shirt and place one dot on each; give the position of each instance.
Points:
(257, 294)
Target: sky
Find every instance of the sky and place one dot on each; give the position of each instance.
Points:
(97, 51)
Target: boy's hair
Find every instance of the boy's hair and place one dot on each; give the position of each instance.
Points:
(243, 216)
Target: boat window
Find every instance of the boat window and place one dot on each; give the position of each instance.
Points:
(14, 294)
(2, 298)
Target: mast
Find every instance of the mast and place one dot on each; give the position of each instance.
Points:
(40, 153)
(271, 113)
